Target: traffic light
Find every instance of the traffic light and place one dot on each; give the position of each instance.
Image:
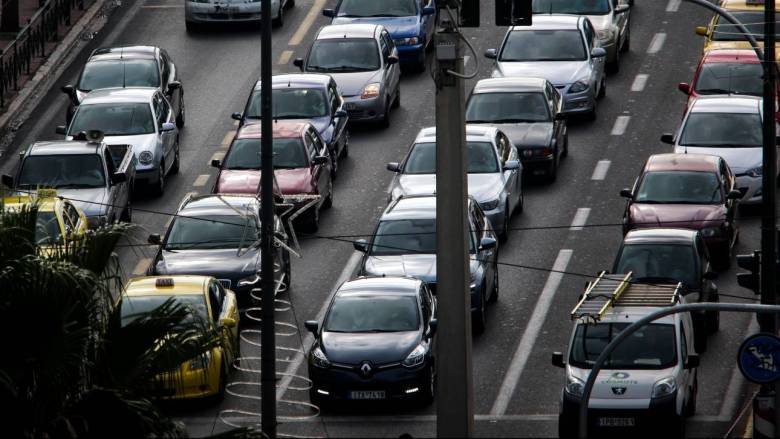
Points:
(752, 263)
(513, 12)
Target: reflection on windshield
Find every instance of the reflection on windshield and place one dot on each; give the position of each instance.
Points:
(374, 8)
(544, 45)
(407, 236)
(292, 103)
(679, 187)
(507, 108)
(651, 347)
(373, 313)
(47, 229)
(113, 119)
(722, 129)
(245, 154)
(481, 159)
(344, 56)
(62, 171)
(212, 232)
(731, 78)
(135, 307)
(753, 21)
(660, 261)
(579, 7)
(120, 73)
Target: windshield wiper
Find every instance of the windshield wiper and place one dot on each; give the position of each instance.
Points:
(294, 116)
(715, 91)
(385, 15)
(76, 186)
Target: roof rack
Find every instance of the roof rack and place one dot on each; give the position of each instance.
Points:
(611, 290)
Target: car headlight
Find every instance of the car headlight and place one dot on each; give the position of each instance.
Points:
(664, 387)
(605, 34)
(370, 91)
(146, 157)
(201, 361)
(411, 41)
(756, 172)
(249, 281)
(490, 205)
(574, 386)
(709, 232)
(579, 86)
(319, 359)
(416, 357)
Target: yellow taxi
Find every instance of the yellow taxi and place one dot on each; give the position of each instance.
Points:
(59, 221)
(721, 34)
(203, 376)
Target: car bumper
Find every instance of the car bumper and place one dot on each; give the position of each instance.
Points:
(210, 13)
(750, 188)
(364, 110)
(656, 417)
(337, 382)
(538, 165)
(411, 54)
(496, 217)
(578, 103)
(147, 176)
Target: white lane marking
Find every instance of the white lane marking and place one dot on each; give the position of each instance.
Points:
(219, 155)
(580, 218)
(466, 60)
(201, 180)
(312, 15)
(600, 173)
(531, 333)
(657, 43)
(227, 139)
(673, 5)
(140, 267)
(640, 81)
(284, 58)
(621, 123)
(730, 406)
(293, 367)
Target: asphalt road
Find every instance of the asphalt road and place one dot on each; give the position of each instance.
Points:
(516, 390)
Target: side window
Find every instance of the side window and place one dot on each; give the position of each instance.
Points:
(333, 99)
(383, 47)
(166, 69)
(109, 162)
(480, 222)
(589, 34)
(158, 110)
(216, 305)
(318, 144)
(164, 110)
(503, 147)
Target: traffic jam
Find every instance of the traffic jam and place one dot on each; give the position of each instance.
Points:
(376, 341)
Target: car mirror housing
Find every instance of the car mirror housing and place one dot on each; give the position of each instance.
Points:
(360, 245)
(237, 116)
(340, 113)
(320, 160)
(118, 177)
(692, 362)
(626, 193)
(392, 59)
(702, 31)
(394, 167)
(167, 127)
(228, 322)
(491, 54)
(735, 195)
(598, 52)
(312, 325)
(511, 165)
(216, 163)
(667, 138)
(620, 9)
(61, 129)
(330, 13)
(684, 87)
(487, 244)
(155, 239)
(174, 85)
(428, 10)
(557, 359)
(298, 62)
(432, 325)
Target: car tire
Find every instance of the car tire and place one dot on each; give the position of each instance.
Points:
(565, 152)
(700, 334)
(593, 115)
(421, 62)
(127, 212)
(690, 408)
(290, 4)
(345, 149)
(159, 188)
(428, 394)
(385, 121)
(316, 401)
(180, 118)
(313, 220)
(505, 226)
(479, 318)
(397, 100)
(566, 428)
(494, 296)
(520, 203)
(287, 271)
(614, 66)
(176, 159)
(328, 203)
(279, 20)
(602, 89)
(334, 165)
(191, 26)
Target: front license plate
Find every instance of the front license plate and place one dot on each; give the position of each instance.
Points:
(350, 106)
(616, 422)
(367, 394)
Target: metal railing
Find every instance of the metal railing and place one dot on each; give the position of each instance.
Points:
(43, 27)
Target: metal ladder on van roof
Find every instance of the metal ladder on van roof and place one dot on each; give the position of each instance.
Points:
(611, 290)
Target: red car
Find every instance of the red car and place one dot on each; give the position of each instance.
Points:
(301, 164)
(691, 191)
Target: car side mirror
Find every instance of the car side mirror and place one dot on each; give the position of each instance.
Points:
(710, 275)
(7, 180)
(361, 245)
(598, 52)
(216, 163)
(692, 362)
(312, 326)
(734, 195)
(511, 165)
(428, 10)
(167, 126)
(298, 62)
(557, 359)
(620, 9)
(320, 160)
(155, 239)
(237, 116)
(491, 54)
(667, 138)
(70, 91)
(684, 87)
(433, 324)
(626, 193)
(394, 167)
(560, 116)
(174, 85)
(330, 13)
(702, 31)
(340, 113)
(118, 177)
(228, 322)
(61, 129)
(392, 59)
(487, 244)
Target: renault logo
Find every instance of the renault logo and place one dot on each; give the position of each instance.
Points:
(365, 369)
(619, 390)
(620, 375)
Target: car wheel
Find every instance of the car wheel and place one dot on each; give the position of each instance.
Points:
(334, 164)
(593, 115)
(385, 122)
(313, 220)
(180, 118)
(429, 392)
(345, 149)
(700, 334)
(479, 318)
(191, 27)
(494, 296)
(614, 66)
(290, 4)
(127, 212)
(690, 408)
(287, 270)
(397, 100)
(159, 189)
(602, 89)
(421, 62)
(505, 226)
(329, 200)
(520, 203)
(713, 318)
(316, 400)
(176, 160)
(279, 20)
(565, 152)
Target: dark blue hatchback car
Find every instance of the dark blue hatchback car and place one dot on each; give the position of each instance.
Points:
(410, 23)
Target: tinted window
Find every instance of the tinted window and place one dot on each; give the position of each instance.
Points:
(651, 347)
(118, 73)
(47, 229)
(343, 55)
(580, 7)
(722, 129)
(113, 119)
(481, 158)
(384, 8)
(292, 103)
(507, 108)
(730, 78)
(212, 232)
(62, 171)
(245, 154)
(373, 313)
(753, 21)
(544, 45)
(660, 261)
(679, 187)
(399, 237)
(134, 307)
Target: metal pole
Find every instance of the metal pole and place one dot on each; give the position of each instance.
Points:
(455, 399)
(630, 329)
(268, 336)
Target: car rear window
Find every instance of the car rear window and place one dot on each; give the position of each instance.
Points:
(120, 73)
(507, 108)
(373, 313)
(407, 236)
(578, 7)
(753, 21)
(730, 78)
(660, 263)
(245, 154)
(651, 347)
(135, 307)
(344, 55)
(292, 103)
(727, 130)
(481, 158)
(544, 45)
(47, 229)
(679, 188)
(384, 8)
(212, 232)
(71, 171)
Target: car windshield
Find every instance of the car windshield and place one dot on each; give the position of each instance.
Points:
(292, 103)
(76, 171)
(730, 130)
(653, 346)
(245, 154)
(212, 232)
(120, 73)
(344, 55)
(679, 188)
(730, 78)
(544, 45)
(660, 261)
(753, 21)
(580, 7)
(47, 229)
(406, 236)
(127, 119)
(481, 159)
(135, 307)
(373, 313)
(507, 108)
(373, 8)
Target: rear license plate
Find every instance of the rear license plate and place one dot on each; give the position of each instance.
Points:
(616, 422)
(350, 106)
(367, 394)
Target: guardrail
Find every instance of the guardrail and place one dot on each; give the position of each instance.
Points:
(16, 58)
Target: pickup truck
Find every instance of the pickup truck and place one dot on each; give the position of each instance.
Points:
(96, 177)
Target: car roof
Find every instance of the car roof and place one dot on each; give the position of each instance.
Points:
(352, 30)
(746, 56)
(298, 80)
(727, 104)
(283, 129)
(120, 52)
(660, 235)
(182, 285)
(553, 21)
(743, 5)
(683, 162)
(63, 147)
(119, 95)
(384, 285)
(220, 204)
(474, 133)
(510, 84)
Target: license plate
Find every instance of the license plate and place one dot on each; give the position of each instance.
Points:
(367, 394)
(616, 422)
(350, 106)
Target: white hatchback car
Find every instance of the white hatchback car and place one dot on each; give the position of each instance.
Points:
(201, 12)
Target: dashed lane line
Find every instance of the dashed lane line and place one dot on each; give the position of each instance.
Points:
(580, 218)
(657, 43)
(621, 123)
(140, 267)
(201, 180)
(227, 139)
(307, 22)
(520, 357)
(640, 81)
(162, 6)
(284, 58)
(673, 5)
(600, 172)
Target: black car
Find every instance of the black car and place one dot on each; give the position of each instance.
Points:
(404, 244)
(308, 97)
(376, 342)
(219, 236)
(128, 66)
(529, 112)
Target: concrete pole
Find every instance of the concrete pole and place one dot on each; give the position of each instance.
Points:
(455, 399)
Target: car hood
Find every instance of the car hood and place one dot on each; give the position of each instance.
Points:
(633, 384)
(91, 200)
(525, 135)
(419, 266)
(222, 264)
(377, 348)
(483, 187)
(557, 72)
(140, 143)
(352, 84)
(739, 159)
(396, 26)
(290, 181)
(688, 216)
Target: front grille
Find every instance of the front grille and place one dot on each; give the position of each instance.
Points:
(226, 283)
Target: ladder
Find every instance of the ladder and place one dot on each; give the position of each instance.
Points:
(611, 290)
